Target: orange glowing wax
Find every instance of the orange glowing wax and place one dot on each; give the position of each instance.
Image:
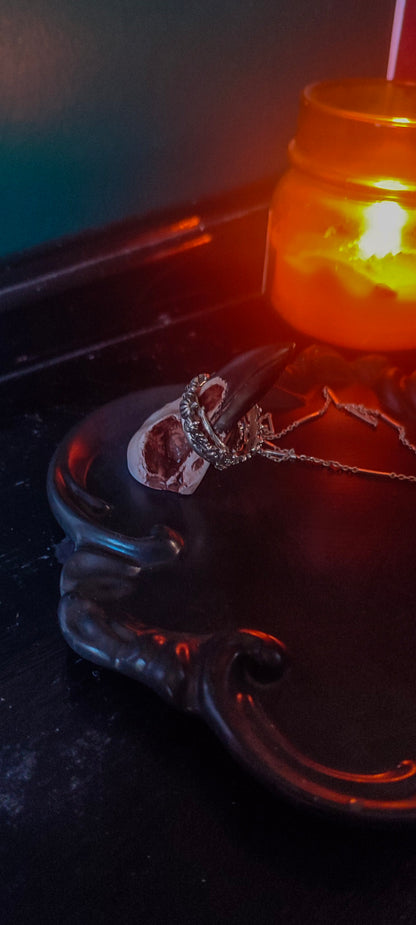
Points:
(342, 231)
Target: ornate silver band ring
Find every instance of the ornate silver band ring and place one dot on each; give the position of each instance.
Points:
(202, 436)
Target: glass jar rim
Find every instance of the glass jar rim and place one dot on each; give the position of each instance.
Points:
(370, 100)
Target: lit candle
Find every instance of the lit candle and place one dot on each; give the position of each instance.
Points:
(342, 237)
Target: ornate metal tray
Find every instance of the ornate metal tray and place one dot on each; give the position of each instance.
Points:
(277, 603)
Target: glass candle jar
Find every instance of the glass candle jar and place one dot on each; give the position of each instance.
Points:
(342, 230)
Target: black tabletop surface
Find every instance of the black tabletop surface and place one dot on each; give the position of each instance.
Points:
(115, 807)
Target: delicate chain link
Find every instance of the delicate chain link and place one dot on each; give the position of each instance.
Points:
(211, 447)
(370, 416)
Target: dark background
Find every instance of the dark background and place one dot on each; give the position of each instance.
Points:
(111, 109)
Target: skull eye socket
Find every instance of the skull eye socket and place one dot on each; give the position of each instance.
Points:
(166, 448)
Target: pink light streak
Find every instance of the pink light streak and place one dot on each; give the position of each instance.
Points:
(396, 35)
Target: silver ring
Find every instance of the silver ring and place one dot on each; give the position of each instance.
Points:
(202, 437)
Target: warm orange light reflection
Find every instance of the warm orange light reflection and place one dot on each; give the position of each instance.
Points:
(342, 238)
(185, 246)
(159, 639)
(79, 459)
(186, 224)
(244, 698)
(183, 652)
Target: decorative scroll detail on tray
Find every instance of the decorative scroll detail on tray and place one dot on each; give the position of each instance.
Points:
(220, 677)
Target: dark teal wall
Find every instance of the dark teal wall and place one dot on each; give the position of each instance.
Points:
(109, 109)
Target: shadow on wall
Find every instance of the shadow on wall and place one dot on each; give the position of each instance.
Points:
(113, 109)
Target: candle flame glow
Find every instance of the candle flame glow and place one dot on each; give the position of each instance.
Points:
(394, 185)
(384, 223)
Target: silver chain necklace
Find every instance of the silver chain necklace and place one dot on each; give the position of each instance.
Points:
(257, 435)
